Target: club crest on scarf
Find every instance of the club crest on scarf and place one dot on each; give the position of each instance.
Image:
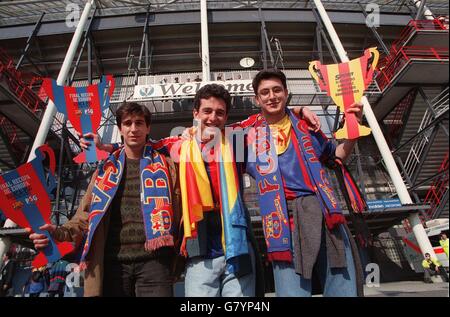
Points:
(273, 223)
(161, 220)
(83, 107)
(25, 194)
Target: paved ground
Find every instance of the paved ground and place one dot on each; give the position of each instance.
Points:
(403, 289)
(408, 289)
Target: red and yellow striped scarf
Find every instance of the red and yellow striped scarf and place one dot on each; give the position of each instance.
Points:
(197, 196)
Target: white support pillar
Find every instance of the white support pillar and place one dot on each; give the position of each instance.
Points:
(50, 111)
(47, 119)
(394, 173)
(205, 41)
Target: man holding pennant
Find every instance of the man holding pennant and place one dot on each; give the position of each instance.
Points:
(128, 217)
(302, 221)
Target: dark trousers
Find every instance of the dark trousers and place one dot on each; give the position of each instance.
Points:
(5, 293)
(428, 273)
(149, 278)
(60, 293)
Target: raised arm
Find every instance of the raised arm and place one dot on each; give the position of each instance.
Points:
(166, 146)
(301, 111)
(344, 149)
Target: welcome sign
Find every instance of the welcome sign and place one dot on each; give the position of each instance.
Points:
(170, 90)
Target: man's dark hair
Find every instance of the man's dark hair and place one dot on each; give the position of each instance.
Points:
(212, 90)
(9, 254)
(268, 74)
(427, 254)
(133, 108)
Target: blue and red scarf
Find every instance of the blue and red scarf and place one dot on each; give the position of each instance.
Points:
(269, 181)
(156, 198)
(355, 202)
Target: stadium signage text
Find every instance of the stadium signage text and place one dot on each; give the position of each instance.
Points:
(383, 204)
(170, 90)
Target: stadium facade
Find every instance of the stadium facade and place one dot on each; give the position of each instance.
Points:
(163, 45)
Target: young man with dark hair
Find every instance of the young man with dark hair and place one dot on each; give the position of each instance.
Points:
(218, 240)
(212, 90)
(221, 260)
(129, 216)
(303, 224)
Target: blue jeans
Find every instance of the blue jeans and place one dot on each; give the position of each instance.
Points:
(336, 282)
(210, 278)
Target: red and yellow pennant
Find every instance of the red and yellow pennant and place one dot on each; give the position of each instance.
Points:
(345, 84)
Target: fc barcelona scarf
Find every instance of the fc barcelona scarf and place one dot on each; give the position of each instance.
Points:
(197, 198)
(156, 198)
(272, 199)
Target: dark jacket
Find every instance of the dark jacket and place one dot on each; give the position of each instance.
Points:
(7, 274)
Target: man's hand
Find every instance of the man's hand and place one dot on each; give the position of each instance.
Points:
(40, 241)
(312, 119)
(188, 133)
(86, 141)
(357, 109)
(309, 116)
(344, 149)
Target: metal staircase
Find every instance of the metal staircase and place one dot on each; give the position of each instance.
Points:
(414, 107)
(437, 195)
(430, 143)
(419, 57)
(20, 112)
(395, 121)
(13, 144)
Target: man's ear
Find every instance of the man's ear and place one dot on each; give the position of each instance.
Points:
(255, 99)
(147, 135)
